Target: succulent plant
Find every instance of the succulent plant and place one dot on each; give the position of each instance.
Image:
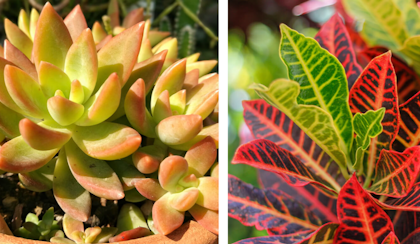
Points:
(182, 185)
(36, 229)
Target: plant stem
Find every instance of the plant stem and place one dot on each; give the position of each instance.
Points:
(94, 8)
(165, 12)
(382, 198)
(367, 181)
(198, 21)
(123, 8)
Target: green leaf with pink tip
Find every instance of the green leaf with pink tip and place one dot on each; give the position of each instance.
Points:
(91, 233)
(39, 180)
(190, 180)
(149, 71)
(14, 55)
(191, 80)
(157, 36)
(172, 46)
(145, 51)
(23, 22)
(98, 32)
(70, 195)
(33, 21)
(133, 17)
(209, 192)
(162, 109)
(44, 136)
(178, 102)
(171, 171)
(201, 157)
(131, 234)
(52, 78)
(16, 156)
(184, 200)
(76, 92)
(9, 122)
(192, 58)
(211, 130)
(71, 225)
(93, 174)
(130, 217)
(205, 86)
(203, 66)
(120, 54)
(171, 80)
(136, 111)
(165, 218)
(52, 39)
(114, 13)
(207, 218)
(107, 141)
(150, 188)
(205, 105)
(187, 127)
(18, 38)
(214, 172)
(103, 104)
(82, 62)
(133, 196)
(61, 240)
(26, 92)
(105, 235)
(75, 22)
(101, 44)
(126, 171)
(147, 159)
(64, 111)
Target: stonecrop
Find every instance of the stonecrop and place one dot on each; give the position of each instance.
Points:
(76, 116)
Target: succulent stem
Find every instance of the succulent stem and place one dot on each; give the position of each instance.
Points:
(165, 12)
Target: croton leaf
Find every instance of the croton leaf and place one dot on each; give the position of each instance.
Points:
(391, 239)
(408, 133)
(358, 43)
(267, 122)
(406, 221)
(276, 239)
(265, 154)
(411, 15)
(408, 82)
(376, 88)
(324, 235)
(321, 204)
(396, 172)
(410, 202)
(410, 49)
(383, 21)
(323, 84)
(268, 208)
(412, 238)
(314, 121)
(333, 36)
(361, 220)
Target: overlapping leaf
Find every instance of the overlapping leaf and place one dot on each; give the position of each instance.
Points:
(410, 202)
(322, 83)
(334, 37)
(411, 50)
(408, 82)
(314, 121)
(361, 220)
(408, 133)
(267, 122)
(324, 235)
(311, 197)
(412, 238)
(267, 208)
(406, 222)
(376, 88)
(383, 22)
(278, 239)
(411, 15)
(265, 154)
(396, 172)
(391, 239)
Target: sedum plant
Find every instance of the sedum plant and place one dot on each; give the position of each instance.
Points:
(337, 151)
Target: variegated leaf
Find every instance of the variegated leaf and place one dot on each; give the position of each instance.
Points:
(411, 15)
(412, 238)
(408, 133)
(411, 202)
(276, 239)
(391, 239)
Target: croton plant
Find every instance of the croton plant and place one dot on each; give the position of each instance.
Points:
(110, 112)
(336, 144)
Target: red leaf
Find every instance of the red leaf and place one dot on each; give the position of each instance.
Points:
(358, 43)
(391, 239)
(406, 222)
(408, 82)
(277, 239)
(334, 37)
(314, 199)
(411, 202)
(268, 208)
(409, 133)
(324, 235)
(374, 89)
(265, 154)
(396, 172)
(267, 122)
(412, 238)
(361, 220)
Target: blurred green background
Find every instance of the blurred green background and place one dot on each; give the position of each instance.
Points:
(254, 58)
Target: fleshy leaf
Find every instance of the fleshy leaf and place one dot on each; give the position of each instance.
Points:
(98, 32)
(383, 21)
(130, 217)
(211, 130)
(184, 200)
(133, 17)
(23, 22)
(107, 141)
(9, 122)
(359, 215)
(103, 104)
(52, 39)
(207, 218)
(267, 208)
(162, 109)
(165, 218)
(76, 92)
(150, 188)
(71, 225)
(16, 156)
(131, 234)
(178, 102)
(323, 84)
(64, 111)
(267, 122)
(33, 21)
(14, 55)
(314, 121)
(114, 13)
(147, 159)
(205, 105)
(70, 195)
(75, 22)
(133, 196)
(52, 78)
(93, 174)
(201, 157)
(204, 66)
(188, 126)
(82, 62)
(105, 235)
(209, 188)
(5, 97)
(171, 170)
(333, 36)
(120, 55)
(18, 38)
(396, 172)
(39, 180)
(126, 171)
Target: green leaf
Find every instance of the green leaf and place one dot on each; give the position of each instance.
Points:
(368, 125)
(383, 21)
(130, 217)
(411, 13)
(322, 81)
(411, 50)
(314, 121)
